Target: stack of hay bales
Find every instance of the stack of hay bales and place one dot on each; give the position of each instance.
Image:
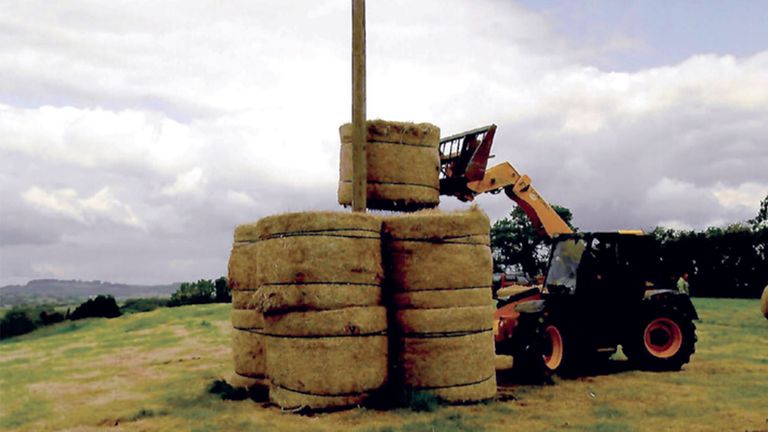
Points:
(403, 165)
(439, 268)
(764, 302)
(325, 329)
(248, 323)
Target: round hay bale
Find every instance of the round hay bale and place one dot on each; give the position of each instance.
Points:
(242, 266)
(431, 299)
(248, 353)
(474, 392)
(291, 400)
(444, 320)
(420, 134)
(434, 250)
(247, 319)
(244, 299)
(764, 302)
(338, 322)
(320, 247)
(503, 362)
(330, 366)
(427, 362)
(403, 165)
(287, 298)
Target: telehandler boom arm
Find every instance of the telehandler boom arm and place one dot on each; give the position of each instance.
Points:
(463, 159)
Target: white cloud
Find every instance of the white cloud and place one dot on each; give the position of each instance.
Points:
(66, 202)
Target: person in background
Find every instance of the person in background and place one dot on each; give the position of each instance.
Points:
(682, 284)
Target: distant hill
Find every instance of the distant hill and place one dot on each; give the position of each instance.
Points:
(70, 291)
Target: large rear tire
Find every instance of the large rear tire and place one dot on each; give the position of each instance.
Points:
(539, 347)
(663, 340)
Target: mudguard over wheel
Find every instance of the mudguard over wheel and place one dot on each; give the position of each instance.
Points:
(664, 340)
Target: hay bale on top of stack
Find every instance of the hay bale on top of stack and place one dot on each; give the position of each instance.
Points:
(248, 323)
(325, 329)
(403, 165)
(439, 268)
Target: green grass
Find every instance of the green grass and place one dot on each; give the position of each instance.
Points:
(153, 371)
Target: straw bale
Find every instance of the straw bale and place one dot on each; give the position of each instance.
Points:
(764, 302)
(439, 226)
(503, 362)
(242, 266)
(475, 392)
(444, 320)
(244, 299)
(324, 247)
(424, 134)
(317, 222)
(328, 365)
(395, 164)
(286, 298)
(246, 319)
(239, 381)
(336, 322)
(445, 361)
(398, 197)
(403, 165)
(430, 299)
(290, 400)
(424, 266)
(248, 353)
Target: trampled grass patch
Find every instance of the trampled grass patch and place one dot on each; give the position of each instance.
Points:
(154, 370)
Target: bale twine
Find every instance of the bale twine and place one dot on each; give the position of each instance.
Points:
(403, 165)
(764, 302)
(326, 359)
(439, 267)
(248, 344)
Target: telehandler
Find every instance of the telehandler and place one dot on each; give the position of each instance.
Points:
(601, 289)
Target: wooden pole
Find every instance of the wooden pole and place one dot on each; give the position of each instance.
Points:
(359, 130)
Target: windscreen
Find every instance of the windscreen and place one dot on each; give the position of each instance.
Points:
(565, 263)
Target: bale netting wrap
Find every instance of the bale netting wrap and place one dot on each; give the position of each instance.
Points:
(433, 322)
(316, 296)
(432, 250)
(242, 266)
(238, 381)
(325, 359)
(403, 164)
(320, 248)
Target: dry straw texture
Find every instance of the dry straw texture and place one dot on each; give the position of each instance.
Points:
(429, 362)
(247, 319)
(330, 366)
(243, 271)
(764, 302)
(248, 350)
(338, 322)
(403, 165)
(325, 247)
(244, 299)
(290, 400)
(444, 320)
(240, 381)
(434, 250)
(475, 392)
(443, 298)
(287, 298)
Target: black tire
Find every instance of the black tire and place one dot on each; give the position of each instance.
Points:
(538, 347)
(663, 340)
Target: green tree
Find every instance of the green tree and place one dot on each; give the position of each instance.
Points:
(198, 292)
(516, 244)
(761, 220)
(222, 291)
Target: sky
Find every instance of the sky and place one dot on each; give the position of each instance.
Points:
(135, 135)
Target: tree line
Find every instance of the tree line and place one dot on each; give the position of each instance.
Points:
(23, 319)
(730, 261)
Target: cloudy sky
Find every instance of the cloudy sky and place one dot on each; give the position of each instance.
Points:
(135, 135)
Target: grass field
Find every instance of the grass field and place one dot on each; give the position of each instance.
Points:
(151, 371)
